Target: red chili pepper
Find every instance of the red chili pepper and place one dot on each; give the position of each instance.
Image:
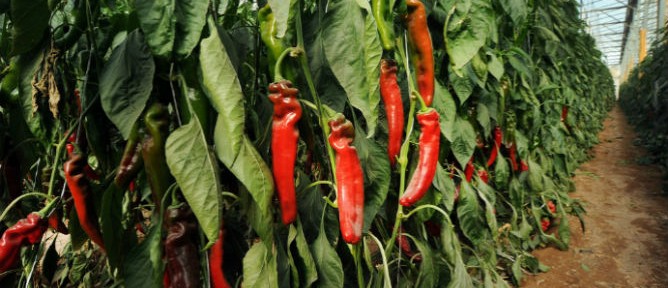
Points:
(284, 137)
(469, 170)
(56, 223)
(90, 173)
(498, 137)
(26, 231)
(420, 40)
(513, 156)
(429, 142)
(524, 166)
(181, 250)
(484, 176)
(349, 179)
(405, 246)
(545, 224)
(216, 262)
(551, 207)
(83, 197)
(394, 107)
(564, 113)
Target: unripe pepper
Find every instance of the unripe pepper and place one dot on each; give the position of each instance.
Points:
(349, 179)
(275, 45)
(284, 137)
(429, 143)
(26, 231)
(422, 56)
(83, 197)
(498, 138)
(394, 107)
(131, 162)
(159, 178)
(381, 13)
(216, 262)
(181, 250)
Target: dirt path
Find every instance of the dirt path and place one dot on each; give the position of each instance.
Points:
(626, 242)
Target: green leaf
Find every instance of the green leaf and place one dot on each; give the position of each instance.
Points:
(281, 11)
(196, 172)
(328, 263)
(463, 140)
(112, 226)
(221, 84)
(495, 67)
(517, 9)
(156, 19)
(376, 167)
(428, 276)
(452, 250)
(535, 178)
(77, 234)
(355, 57)
(126, 82)
(470, 215)
(462, 85)
(143, 256)
(190, 20)
(446, 186)
(447, 109)
(260, 268)
(309, 272)
(464, 43)
(29, 22)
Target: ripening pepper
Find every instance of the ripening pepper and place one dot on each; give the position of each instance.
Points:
(429, 143)
(349, 179)
(381, 13)
(422, 50)
(26, 231)
(181, 251)
(284, 137)
(216, 262)
(83, 197)
(394, 107)
(131, 161)
(159, 178)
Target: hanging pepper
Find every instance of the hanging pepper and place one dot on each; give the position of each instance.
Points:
(429, 142)
(83, 197)
(523, 166)
(156, 121)
(551, 207)
(287, 113)
(56, 223)
(381, 12)
(181, 252)
(349, 179)
(275, 45)
(69, 147)
(513, 156)
(498, 138)
(406, 247)
(216, 262)
(564, 113)
(131, 162)
(394, 108)
(545, 224)
(484, 176)
(469, 170)
(26, 231)
(422, 56)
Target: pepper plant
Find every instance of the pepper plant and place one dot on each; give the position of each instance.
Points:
(294, 143)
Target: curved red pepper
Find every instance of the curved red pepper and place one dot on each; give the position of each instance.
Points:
(394, 108)
(429, 142)
(284, 137)
(484, 176)
(83, 197)
(181, 250)
(349, 179)
(524, 166)
(216, 262)
(469, 170)
(420, 41)
(513, 156)
(498, 137)
(26, 231)
(56, 223)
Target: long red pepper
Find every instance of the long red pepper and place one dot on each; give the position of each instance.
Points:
(469, 170)
(420, 41)
(394, 108)
(429, 142)
(26, 231)
(513, 156)
(349, 179)
(285, 135)
(498, 137)
(83, 197)
(216, 262)
(564, 113)
(181, 250)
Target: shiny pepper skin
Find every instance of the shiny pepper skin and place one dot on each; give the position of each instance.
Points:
(83, 197)
(498, 137)
(131, 162)
(181, 251)
(484, 176)
(545, 224)
(216, 262)
(284, 137)
(349, 179)
(429, 143)
(513, 156)
(394, 107)
(153, 150)
(469, 170)
(422, 56)
(26, 231)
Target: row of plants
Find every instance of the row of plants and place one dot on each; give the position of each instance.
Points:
(291, 143)
(644, 100)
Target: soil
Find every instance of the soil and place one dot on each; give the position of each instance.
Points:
(626, 238)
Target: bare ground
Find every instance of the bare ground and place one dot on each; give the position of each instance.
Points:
(626, 238)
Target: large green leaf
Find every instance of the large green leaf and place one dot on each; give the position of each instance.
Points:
(29, 22)
(126, 82)
(309, 272)
(470, 215)
(376, 167)
(463, 140)
(221, 84)
(452, 250)
(330, 268)
(464, 41)
(447, 109)
(111, 216)
(355, 57)
(190, 20)
(517, 9)
(446, 186)
(260, 267)
(157, 20)
(428, 274)
(196, 172)
(136, 272)
(281, 11)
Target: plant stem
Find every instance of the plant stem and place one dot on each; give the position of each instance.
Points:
(18, 199)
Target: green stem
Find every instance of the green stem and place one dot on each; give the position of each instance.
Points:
(357, 255)
(18, 199)
(278, 76)
(386, 266)
(322, 182)
(425, 206)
